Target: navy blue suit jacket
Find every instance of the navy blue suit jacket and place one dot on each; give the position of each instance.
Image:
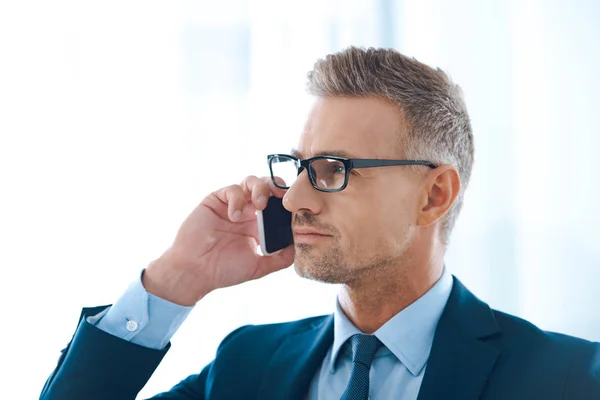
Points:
(477, 353)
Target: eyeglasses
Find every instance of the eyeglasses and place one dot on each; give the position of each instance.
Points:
(326, 173)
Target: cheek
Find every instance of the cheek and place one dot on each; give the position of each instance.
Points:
(375, 225)
(361, 227)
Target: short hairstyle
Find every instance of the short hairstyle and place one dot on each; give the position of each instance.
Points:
(431, 106)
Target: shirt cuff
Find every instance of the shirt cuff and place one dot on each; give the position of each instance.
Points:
(142, 318)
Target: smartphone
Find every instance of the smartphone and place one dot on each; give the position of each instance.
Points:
(274, 227)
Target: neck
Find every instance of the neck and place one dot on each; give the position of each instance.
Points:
(371, 301)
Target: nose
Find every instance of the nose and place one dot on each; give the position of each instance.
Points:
(302, 196)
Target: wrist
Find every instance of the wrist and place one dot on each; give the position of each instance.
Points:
(172, 284)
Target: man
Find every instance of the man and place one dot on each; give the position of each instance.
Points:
(403, 327)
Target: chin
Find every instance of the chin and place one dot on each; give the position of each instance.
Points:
(317, 273)
(325, 265)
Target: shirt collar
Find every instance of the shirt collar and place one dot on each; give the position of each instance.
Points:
(409, 334)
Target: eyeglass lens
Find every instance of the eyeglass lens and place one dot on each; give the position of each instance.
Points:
(327, 173)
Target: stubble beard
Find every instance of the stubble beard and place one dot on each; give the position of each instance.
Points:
(332, 265)
(320, 265)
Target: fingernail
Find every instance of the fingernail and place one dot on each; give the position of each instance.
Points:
(237, 215)
(262, 199)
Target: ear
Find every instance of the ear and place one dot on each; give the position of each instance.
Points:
(441, 188)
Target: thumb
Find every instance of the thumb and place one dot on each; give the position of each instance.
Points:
(275, 262)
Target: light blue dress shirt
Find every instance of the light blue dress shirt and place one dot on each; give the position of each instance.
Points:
(397, 370)
(142, 318)
(399, 365)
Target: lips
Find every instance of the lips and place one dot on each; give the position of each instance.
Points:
(304, 231)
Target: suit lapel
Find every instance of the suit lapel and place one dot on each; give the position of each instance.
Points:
(461, 360)
(292, 367)
(459, 365)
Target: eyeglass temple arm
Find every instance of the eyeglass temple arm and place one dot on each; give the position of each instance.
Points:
(369, 163)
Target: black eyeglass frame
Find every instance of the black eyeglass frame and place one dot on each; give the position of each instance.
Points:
(349, 165)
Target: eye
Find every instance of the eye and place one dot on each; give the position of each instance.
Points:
(338, 169)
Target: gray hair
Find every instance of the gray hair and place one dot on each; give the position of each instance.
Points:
(431, 106)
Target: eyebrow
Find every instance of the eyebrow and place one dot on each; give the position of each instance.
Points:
(334, 153)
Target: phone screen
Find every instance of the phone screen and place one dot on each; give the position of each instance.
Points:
(276, 229)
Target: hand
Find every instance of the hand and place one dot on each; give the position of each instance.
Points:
(216, 246)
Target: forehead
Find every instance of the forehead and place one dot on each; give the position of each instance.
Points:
(358, 127)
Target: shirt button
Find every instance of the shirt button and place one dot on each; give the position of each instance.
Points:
(131, 325)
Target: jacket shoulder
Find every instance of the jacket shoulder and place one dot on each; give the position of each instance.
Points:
(246, 352)
(569, 364)
(267, 337)
(515, 329)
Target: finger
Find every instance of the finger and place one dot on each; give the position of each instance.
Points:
(233, 196)
(249, 211)
(275, 190)
(259, 190)
(280, 182)
(249, 225)
(275, 262)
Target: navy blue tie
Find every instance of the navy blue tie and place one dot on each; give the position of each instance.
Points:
(364, 348)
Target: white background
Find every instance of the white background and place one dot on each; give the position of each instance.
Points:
(116, 118)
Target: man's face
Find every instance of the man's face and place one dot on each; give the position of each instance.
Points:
(369, 225)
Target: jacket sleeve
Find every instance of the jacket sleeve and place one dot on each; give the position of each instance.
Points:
(191, 388)
(97, 365)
